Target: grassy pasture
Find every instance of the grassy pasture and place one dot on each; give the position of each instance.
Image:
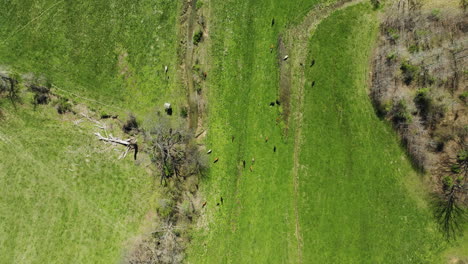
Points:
(64, 196)
(353, 205)
(112, 51)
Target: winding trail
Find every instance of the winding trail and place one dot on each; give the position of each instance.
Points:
(294, 42)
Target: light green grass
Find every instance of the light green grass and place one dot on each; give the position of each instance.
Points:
(353, 206)
(77, 45)
(64, 196)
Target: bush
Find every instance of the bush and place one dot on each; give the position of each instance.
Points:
(400, 113)
(184, 112)
(435, 15)
(375, 4)
(63, 105)
(131, 126)
(447, 181)
(463, 96)
(197, 38)
(40, 99)
(199, 4)
(436, 114)
(165, 208)
(423, 101)
(463, 4)
(393, 34)
(455, 168)
(462, 157)
(409, 72)
(391, 56)
(413, 48)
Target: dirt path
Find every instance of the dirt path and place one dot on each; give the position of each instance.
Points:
(294, 43)
(192, 95)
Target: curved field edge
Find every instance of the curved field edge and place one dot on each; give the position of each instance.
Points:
(63, 201)
(353, 204)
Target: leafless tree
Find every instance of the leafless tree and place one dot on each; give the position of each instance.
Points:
(172, 151)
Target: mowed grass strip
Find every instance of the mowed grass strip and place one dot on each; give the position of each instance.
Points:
(352, 203)
(354, 207)
(64, 196)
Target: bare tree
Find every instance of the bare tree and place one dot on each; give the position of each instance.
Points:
(172, 151)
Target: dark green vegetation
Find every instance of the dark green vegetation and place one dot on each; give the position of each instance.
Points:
(63, 201)
(352, 204)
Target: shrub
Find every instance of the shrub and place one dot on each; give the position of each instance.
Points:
(393, 34)
(463, 96)
(375, 4)
(197, 38)
(423, 100)
(391, 56)
(447, 181)
(436, 114)
(165, 208)
(131, 126)
(184, 112)
(63, 105)
(463, 4)
(455, 168)
(400, 113)
(199, 4)
(435, 15)
(462, 156)
(413, 48)
(40, 99)
(409, 71)
(185, 209)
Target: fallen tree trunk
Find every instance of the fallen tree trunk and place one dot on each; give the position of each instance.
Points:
(114, 140)
(129, 143)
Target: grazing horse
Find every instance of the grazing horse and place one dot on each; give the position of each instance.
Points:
(216, 160)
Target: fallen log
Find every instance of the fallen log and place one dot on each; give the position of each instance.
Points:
(129, 143)
(112, 139)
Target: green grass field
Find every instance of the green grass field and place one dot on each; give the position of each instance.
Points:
(340, 191)
(352, 203)
(112, 51)
(63, 201)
